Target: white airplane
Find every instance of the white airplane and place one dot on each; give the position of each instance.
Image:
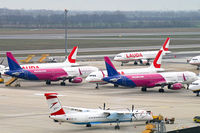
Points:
(96, 77)
(195, 61)
(142, 57)
(88, 117)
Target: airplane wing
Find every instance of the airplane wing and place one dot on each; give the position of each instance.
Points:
(118, 114)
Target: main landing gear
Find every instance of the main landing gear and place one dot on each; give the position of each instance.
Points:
(88, 125)
(143, 89)
(62, 83)
(161, 89)
(48, 82)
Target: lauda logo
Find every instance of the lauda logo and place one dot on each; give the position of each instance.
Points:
(133, 55)
(30, 67)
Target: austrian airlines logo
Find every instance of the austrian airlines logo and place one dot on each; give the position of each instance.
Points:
(53, 104)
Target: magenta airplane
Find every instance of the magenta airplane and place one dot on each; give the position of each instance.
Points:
(174, 80)
(73, 74)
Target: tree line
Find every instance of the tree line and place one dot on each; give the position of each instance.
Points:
(98, 19)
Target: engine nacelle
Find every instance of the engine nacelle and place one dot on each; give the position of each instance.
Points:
(76, 80)
(144, 61)
(176, 86)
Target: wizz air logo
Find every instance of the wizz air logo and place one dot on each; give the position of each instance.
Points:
(53, 104)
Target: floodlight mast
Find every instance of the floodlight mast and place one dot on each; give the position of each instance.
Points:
(66, 11)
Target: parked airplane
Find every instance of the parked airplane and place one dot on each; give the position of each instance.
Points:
(195, 87)
(88, 117)
(174, 80)
(195, 61)
(69, 62)
(96, 77)
(73, 74)
(142, 57)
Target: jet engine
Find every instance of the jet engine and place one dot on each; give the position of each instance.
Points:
(76, 80)
(144, 62)
(176, 86)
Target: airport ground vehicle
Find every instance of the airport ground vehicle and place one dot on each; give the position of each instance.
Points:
(196, 119)
(88, 117)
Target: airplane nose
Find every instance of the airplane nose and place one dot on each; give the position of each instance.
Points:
(87, 79)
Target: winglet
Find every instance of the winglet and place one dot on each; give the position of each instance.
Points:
(110, 67)
(72, 56)
(12, 62)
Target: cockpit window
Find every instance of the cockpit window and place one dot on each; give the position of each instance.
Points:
(195, 83)
(92, 75)
(194, 59)
(119, 56)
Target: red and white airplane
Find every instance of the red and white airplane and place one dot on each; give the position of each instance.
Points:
(142, 57)
(96, 77)
(88, 117)
(70, 61)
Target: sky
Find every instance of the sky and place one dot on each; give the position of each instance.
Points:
(110, 5)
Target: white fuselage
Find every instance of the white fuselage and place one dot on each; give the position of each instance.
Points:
(98, 116)
(96, 77)
(133, 56)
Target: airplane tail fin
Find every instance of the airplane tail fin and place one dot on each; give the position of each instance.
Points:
(54, 104)
(71, 58)
(166, 45)
(110, 67)
(12, 62)
(158, 60)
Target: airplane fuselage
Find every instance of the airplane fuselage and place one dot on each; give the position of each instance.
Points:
(152, 80)
(98, 117)
(53, 74)
(96, 77)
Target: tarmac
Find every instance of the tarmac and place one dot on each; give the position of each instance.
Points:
(22, 111)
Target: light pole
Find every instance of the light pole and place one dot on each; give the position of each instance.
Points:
(66, 33)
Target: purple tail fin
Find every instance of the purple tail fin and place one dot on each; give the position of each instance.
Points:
(12, 62)
(110, 67)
